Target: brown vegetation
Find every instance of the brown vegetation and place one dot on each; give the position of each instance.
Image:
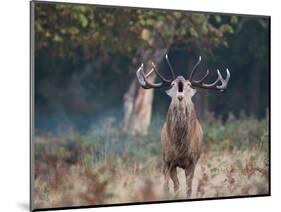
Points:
(107, 166)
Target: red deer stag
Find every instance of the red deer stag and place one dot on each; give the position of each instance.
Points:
(181, 134)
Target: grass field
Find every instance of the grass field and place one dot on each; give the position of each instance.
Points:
(106, 165)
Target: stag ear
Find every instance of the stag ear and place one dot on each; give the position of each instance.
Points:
(169, 92)
(193, 92)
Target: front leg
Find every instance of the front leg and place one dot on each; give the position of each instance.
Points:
(166, 172)
(175, 179)
(189, 173)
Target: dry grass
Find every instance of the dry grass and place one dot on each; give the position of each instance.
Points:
(72, 173)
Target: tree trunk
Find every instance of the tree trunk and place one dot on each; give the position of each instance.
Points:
(138, 101)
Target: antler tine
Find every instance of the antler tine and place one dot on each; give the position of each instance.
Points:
(170, 66)
(213, 85)
(160, 75)
(194, 68)
(142, 78)
(224, 82)
(204, 77)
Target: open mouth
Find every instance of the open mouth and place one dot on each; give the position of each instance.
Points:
(180, 86)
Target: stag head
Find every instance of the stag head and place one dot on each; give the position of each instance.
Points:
(179, 87)
(181, 90)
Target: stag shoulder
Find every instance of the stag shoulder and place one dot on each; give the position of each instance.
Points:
(196, 136)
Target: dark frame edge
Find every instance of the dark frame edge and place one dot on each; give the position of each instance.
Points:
(269, 105)
(31, 106)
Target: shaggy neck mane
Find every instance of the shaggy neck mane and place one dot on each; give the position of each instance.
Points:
(180, 119)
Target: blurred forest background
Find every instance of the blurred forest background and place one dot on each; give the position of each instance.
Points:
(98, 133)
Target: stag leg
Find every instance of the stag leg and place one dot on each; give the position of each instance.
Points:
(189, 173)
(166, 172)
(174, 177)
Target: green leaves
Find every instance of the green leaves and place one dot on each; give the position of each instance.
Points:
(147, 22)
(227, 28)
(218, 18)
(80, 8)
(193, 32)
(73, 30)
(124, 30)
(83, 20)
(57, 38)
(234, 19)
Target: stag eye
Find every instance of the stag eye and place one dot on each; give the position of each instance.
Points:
(180, 86)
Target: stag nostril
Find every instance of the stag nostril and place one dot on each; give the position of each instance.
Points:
(180, 98)
(180, 86)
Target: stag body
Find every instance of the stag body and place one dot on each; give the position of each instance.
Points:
(181, 134)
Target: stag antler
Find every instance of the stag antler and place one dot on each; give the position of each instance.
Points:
(142, 77)
(199, 83)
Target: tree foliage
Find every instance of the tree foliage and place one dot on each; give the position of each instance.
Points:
(70, 29)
